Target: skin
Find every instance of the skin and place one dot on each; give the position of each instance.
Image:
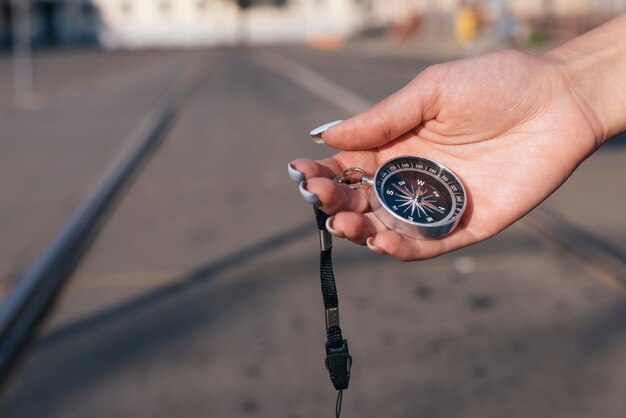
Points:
(513, 126)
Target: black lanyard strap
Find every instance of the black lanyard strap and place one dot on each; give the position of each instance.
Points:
(338, 359)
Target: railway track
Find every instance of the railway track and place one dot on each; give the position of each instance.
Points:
(26, 304)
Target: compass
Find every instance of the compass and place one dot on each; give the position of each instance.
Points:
(415, 196)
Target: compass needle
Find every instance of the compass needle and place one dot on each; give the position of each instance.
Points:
(430, 206)
(401, 190)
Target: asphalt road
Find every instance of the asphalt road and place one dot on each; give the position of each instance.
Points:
(201, 296)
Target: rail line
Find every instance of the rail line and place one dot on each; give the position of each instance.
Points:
(605, 260)
(26, 304)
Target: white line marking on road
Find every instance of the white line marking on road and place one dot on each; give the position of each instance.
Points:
(312, 81)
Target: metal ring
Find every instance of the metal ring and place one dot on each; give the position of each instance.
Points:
(344, 178)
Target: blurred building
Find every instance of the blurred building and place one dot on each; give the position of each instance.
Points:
(54, 22)
(389, 10)
(137, 23)
(149, 23)
(171, 23)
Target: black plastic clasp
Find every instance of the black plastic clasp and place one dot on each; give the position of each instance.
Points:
(338, 364)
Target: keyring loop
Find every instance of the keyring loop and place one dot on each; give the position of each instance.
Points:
(346, 178)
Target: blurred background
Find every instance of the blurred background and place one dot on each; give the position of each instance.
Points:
(200, 295)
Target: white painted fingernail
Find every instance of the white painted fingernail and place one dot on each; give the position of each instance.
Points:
(329, 225)
(308, 196)
(295, 175)
(316, 134)
(373, 247)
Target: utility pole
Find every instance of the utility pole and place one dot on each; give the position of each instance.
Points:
(243, 35)
(23, 66)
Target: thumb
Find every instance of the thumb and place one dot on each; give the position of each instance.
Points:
(385, 121)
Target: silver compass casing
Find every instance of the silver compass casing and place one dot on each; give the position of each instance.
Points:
(414, 229)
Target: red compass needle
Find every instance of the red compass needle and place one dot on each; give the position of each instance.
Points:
(401, 190)
(431, 206)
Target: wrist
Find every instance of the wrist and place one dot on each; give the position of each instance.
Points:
(593, 68)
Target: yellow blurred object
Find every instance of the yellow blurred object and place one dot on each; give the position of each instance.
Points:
(465, 25)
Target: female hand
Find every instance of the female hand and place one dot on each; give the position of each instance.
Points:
(509, 124)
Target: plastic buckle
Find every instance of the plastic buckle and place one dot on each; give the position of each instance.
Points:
(338, 364)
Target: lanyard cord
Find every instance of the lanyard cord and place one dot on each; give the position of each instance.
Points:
(338, 359)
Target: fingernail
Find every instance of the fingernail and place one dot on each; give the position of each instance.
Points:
(316, 134)
(307, 195)
(374, 248)
(329, 226)
(295, 175)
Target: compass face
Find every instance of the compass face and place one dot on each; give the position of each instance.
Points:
(420, 191)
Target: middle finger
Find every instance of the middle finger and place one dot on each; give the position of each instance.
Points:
(334, 197)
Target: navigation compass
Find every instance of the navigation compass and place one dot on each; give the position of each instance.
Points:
(415, 196)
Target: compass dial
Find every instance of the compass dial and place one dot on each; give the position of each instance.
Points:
(420, 192)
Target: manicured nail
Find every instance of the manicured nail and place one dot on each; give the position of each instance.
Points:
(329, 226)
(308, 196)
(295, 175)
(374, 248)
(316, 134)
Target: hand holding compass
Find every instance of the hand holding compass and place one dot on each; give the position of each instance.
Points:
(505, 125)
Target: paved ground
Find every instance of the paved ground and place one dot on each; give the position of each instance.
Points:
(88, 104)
(201, 296)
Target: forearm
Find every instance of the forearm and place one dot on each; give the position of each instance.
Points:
(594, 66)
